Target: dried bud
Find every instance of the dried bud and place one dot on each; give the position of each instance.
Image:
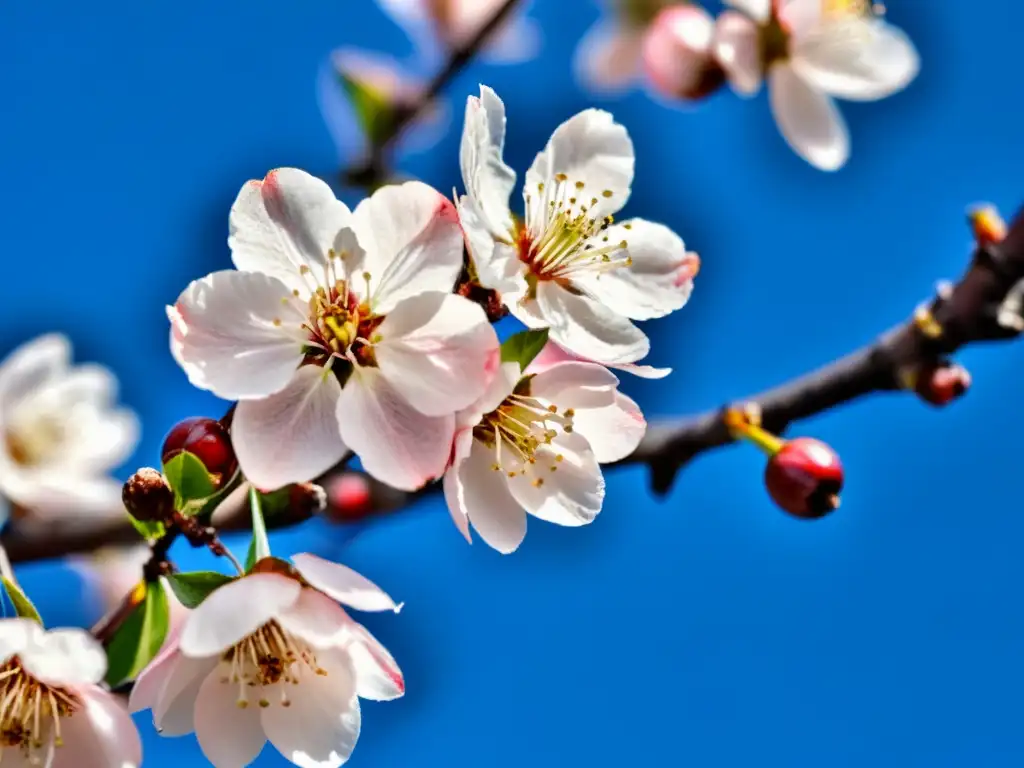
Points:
(207, 440)
(677, 53)
(349, 497)
(147, 496)
(307, 499)
(804, 477)
(942, 382)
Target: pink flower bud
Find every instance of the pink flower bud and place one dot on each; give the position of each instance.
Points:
(348, 497)
(209, 441)
(804, 477)
(677, 53)
(943, 382)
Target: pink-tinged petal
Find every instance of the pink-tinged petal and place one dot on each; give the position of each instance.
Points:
(396, 443)
(607, 59)
(315, 618)
(284, 225)
(17, 634)
(99, 735)
(320, 727)
(737, 48)
(587, 329)
(151, 681)
(233, 334)
(174, 713)
(488, 180)
(30, 366)
(799, 17)
(482, 495)
(574, 384)
(413, 243)
(291, 436)
(236, 610)
(378, 677)
(438, 351)
(659, 280)
(613, 431)
(65, 657)
(452, 490)
(592, 148)
(229, 735)
(569, 494)
(343, 584)
(808, 120)
(552, 354)
(758, 10)
(677, 53)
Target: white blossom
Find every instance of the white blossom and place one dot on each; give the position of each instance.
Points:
(61, 432)
(533, 444)
(338, 330)
(272, 657)
(609, 57)
(54, 713)
(567, 266)
(812, 51)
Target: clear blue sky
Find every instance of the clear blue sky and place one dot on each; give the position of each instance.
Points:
(706, 629)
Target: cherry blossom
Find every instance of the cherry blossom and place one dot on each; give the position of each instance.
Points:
(272, 656)
(812, 51)
(567, 265)
(54, 712)
(533, 444)
(338, 331)
(608, 58)
(61, 433)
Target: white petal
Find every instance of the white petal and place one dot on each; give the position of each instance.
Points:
(413, 243)
(343, 584)
(235, 610)
(377, 674)
(396, 444)
(800, 17)
(589, 147)
(16, 635)
(30, 365)
(575, 384)
(482, 495)
(315, 618)
(613, 431)
(501, 386)
(285, 224)
(452, 495)
(570, 495)
(151, 681)
(643, 371)
(588, 329)
(758, 10)
(321, 726)
(857, 58)
(174, 713)
(292, 436)
(53, 493)
(65, 657)
(224, 334)
(99, 735)
(438, 351)
(229, 735)
(808, 120)
(100, 439)
(737, 48)
(488, 180)
(660, 279)
(497, 262)
(607, 59)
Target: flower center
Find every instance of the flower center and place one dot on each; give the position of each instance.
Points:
(269, 656)
(27, 709)
(35, 441)
(562, 238)
(516, 431)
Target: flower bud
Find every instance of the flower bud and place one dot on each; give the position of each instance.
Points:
(942, 382)
(147, 496)
(677, 53)
(348, 496)
(307, 499)
(207, 440)
(804, 477)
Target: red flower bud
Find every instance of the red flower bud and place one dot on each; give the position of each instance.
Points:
(147, 496)
(207, 440)
(805, 477)
(348, 497)
(941, 383)
(677, 53)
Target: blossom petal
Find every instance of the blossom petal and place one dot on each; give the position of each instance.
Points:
(321, 726)
(315, 618)
(860, 59)
(570, 495)
(497, 262)
(17, 634)
(482, 495)
(235, 610)
(343, 584)
(378, 677)
(228, 734)
(100, 735)
(151, 681)
(488, 180)
(396, 443)
(591, 148)
(291, 436)
(438, 351)
(31, 365)
(413, 243)
(607, 59)
(451, 486)
(613, 431)
(808, 120)
(65, 657)
(52, 492)
(174, 713)
(643, 371)
(232, 334)
(737, 48)
(575, 384)
(758, 10)
(285, 224)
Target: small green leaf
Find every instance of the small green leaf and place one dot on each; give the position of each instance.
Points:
(189, 479)
(22, 605)
(138, 640)
(371, 106)
(194, 587)
(259, 547)
(522, 347)
(148, 530)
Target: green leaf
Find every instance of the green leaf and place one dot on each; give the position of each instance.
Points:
(522, 347)
(138, 640)
(372, 107)
(259, 547)
(22, 605)
(189, 479)
(148, 530)
(194, 587)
